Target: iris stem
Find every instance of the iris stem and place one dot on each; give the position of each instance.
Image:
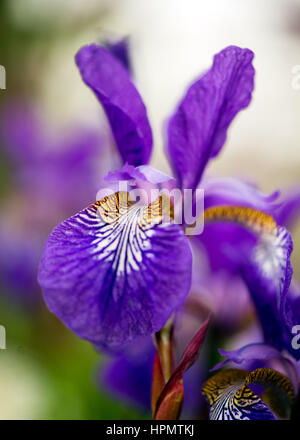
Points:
(164, 342)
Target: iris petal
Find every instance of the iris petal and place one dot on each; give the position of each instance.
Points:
(235, 192)
(120, 50)
(230, 399)
(289, 210)
(125, 110)
(291, 318)
(128, 376)
(231, 191)
(230, 395)
(266, 266)
(257, 355)
(198, 129)
(116, 270)
(251, 352)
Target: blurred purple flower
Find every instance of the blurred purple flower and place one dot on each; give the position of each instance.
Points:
(44, 162)
(47, 182)
(128, 376)
(19, 258)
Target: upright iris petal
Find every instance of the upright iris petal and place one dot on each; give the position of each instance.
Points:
(120, 50)
(197, 130)
(125, 110)
(116, 270)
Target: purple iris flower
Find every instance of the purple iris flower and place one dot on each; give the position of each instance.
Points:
(115, 272)
(113, 281)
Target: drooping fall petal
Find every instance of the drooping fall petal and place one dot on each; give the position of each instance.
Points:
(265, 266)
(230, 396)
(116, 270)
